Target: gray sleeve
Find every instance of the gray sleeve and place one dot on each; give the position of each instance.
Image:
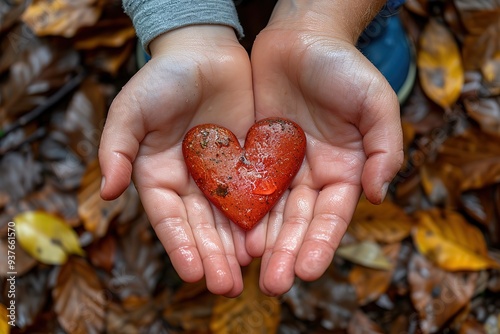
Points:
(154, 17)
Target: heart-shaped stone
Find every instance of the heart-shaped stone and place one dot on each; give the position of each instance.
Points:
(245, 183)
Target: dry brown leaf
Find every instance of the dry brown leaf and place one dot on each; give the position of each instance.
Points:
(439, 63)
(62, 17)
(361, 324)
(31, 295)
(10, 12)
(438, 295)
(251, 312)
(386, 223)
(441, 183)
(102, 253)
(190, 310)
(477, 154)
(483, 205)
(369, 283)
(478, 15)
(24, 262)
(114, 32)
(95, 212)
(110, 60)
(330, 300)
(79, 298)
(486, 112)
(449, 241)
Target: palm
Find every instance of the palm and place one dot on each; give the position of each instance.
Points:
(350, 116)
(144, 132)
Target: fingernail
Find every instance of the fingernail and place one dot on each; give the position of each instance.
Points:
(385, 187)
(103, 182)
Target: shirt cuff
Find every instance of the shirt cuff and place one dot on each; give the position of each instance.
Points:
(152, 18)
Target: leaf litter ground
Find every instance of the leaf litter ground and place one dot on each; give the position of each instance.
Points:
(425, 261)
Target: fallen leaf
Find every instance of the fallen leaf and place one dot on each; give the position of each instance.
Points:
(31, 295)
(114, 32)
(10, 11)
(439, 63)
(62, 17)
(138, 264)
(369, 283)
(386, 223)
(478, 15)
(436, 294)
(4, 325)
(102, 253)
(251, 312)
(486, 112)
(477, 154)
(79, 298)
(482, 205)
(330, 300)
(361, 324)
(366, 253)
(46, 237)
(95, 212)
(190, 310)
(448, 240)
(24, 262)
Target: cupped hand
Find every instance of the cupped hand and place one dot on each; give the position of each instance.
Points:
(350, 115)
(197, 74)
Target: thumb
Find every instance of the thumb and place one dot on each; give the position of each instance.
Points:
(123, 131)
(382, 143)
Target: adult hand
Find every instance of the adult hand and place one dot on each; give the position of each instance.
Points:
(306, 68)
(197, 74)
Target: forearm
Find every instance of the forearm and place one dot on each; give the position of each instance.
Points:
(152, 18)
(345, 17)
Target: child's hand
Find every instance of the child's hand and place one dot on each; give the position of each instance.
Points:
(197, 74)
(351, 118)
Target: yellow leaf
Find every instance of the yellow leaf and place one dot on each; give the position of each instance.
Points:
(445, 238)
(4, 320)
(251, 312)
(46, 237)
(440, 64)
(386, 222)
(366, 253)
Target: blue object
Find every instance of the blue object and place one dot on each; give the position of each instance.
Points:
(385, 44)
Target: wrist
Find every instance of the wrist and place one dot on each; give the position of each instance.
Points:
(194, 37)
(345, 19)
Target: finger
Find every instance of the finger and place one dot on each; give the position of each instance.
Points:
(239, 238)
(332, 213)
(119, 145)
(167, 214)
(218, 273)
(279, 272)
(256, 238)
(383, 144)
(227, 236)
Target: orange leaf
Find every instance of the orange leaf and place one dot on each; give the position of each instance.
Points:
(440, 65)
(386, 222)
(445, 238)
(62, 17)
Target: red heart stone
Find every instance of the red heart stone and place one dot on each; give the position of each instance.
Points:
(245, 183)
